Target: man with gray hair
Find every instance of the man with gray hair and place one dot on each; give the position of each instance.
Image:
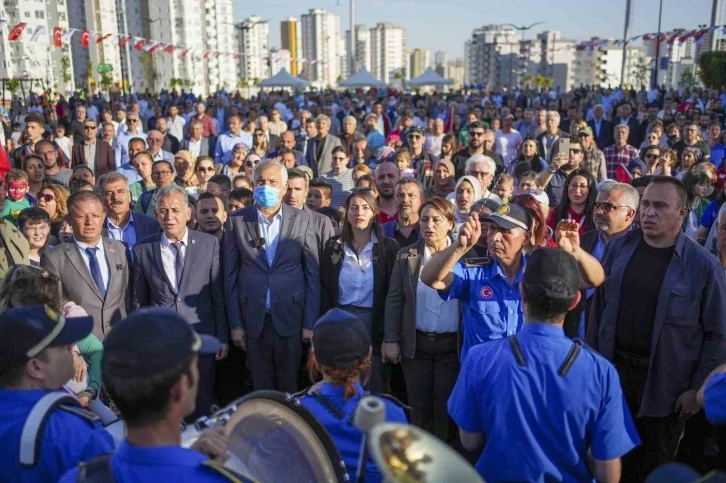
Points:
(319, 151)
(350, 134)
(179, 269)
(547, 139)
(483, 168)
(613, 213)
(271, 280)
(120, 223)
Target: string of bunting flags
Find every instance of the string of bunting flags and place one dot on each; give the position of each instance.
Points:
(61, 36)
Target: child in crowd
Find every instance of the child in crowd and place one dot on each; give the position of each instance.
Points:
(336, 215)
(505, 187)
(403, 160)
(239, 198)
(63, 142)
(34, 224)
(319, 195)
(17, 200)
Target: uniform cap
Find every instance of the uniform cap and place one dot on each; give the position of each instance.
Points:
(551, 273)
(340, 339)
(27, 331)
(510, 216)
(151, 341)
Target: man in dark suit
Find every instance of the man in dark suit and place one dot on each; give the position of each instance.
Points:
(295, 197)
(272, 280)
(93, 270)
(93, 152)
(319, 154)
(120, 223)
(547, 139)
(170, 143)
(179, 269)
(273, 141)
(197, 144)
(626, 119)
(602, 129)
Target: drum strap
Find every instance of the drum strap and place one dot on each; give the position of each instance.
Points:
(329, 405)
(98, 470)
(34, 428)
(564, 367)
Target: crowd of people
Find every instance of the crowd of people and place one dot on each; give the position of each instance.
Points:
(537, 278)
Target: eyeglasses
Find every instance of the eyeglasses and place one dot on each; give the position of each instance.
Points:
(606, 207)
(652, 156)
(259, 134)
(89, 127)
(480, 174)
(476, 133)
(46, 153)
(47, 197)
(131, 120)
(202, 168)
(338, 158)
(575, 151)
(161, 173)
(582, 187)
(414, 136)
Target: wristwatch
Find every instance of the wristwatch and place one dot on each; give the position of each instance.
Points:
(92, 392)
(552, 170)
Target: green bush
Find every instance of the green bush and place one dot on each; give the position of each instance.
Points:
(713, 69)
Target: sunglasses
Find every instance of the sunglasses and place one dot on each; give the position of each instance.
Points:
(89, 127)
(338, 158)
(652, 156)
(606, 207)
(414, 136)
(131, 120)
(202, 168)
(47, 197)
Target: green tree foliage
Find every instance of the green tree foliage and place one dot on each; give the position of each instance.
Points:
(713, 69)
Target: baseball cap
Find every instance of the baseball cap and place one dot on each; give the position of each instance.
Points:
(510, 216)
(340, 339)
(539, 195)
(552, 273)
(151, 341)
(27, 331)
(585, 131)
(185, 155)
(415, 130)
(240, 147)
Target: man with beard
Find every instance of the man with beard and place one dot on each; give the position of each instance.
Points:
(296, 196)
(170, 143)
(53, 170)
(690, 140)
(409, 198)
(481, 141)
(553, 179)
(386, 177)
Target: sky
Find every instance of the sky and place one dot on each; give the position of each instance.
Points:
(447, 24)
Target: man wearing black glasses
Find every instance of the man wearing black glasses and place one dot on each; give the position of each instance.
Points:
(477, 131)
(423, 162)
(162, 172)
(133, 130)
(92, 151)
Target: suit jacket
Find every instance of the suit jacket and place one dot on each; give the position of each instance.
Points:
(634, 133)
(588, 240)
(325, 163)
(171, 144)
(144, 226)
(384, 256)
(293, 278)
(105, 161)
(13, 249)
(541, 145)
(273, 142)
(689, 328)
(205, 149)
(200, 295)
(323, 227)
(66, 261)
(605, 138)
(400, 319)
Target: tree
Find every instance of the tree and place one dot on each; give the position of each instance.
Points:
(688, 80)
(89, 75)
(176, 82)
(106, 80)
(66, 66)
(242, 83)
(641, 72)
(713, 69)
(13, 85)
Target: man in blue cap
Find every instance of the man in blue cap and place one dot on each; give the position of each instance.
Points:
(43, 433)
(150, 372)
(544, 408)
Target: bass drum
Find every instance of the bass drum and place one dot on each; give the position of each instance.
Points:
(273, 438)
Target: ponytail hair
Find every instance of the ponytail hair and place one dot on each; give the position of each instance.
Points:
(342, 376)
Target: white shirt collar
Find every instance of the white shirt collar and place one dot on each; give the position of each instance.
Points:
(165, 241)
(263, 219)
(82, 246)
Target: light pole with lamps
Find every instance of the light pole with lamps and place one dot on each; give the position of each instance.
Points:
(523, 29)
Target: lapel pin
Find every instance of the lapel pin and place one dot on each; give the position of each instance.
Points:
(119, 267)
(193, 241)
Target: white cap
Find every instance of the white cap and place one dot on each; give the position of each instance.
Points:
(539, 195)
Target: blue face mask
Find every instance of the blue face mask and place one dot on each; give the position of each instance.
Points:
(267, 196)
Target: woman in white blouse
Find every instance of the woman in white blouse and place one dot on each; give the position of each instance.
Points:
(421, 329)
(355, 270)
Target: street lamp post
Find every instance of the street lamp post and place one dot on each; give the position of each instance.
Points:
(523, 29)
(657, 44)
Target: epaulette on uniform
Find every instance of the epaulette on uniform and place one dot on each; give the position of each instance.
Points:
(87, 416)
(228, 473)
(477, 262)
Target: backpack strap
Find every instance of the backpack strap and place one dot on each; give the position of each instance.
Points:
(571, 357)
(518, 354)
(98, 470)
(34, 427)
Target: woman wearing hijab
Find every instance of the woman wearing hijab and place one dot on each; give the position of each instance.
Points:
(466, 192)
(444, 181)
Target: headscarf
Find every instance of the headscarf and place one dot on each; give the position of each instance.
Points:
(449, 185)
(461, 216)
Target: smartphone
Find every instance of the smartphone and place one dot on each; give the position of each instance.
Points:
(563, 146)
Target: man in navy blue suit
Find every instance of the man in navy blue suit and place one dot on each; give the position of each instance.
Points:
(179, 269)
(602, 129)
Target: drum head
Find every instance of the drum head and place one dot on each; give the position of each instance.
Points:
(272, 437)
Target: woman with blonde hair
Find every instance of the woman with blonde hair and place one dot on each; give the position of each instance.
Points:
(53, 200)
(203, 169)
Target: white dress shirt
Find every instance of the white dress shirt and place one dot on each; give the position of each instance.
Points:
(168, 257)
(176, 127)
(194, 147)
(355, 285)
(270, 231)
(432, 313)
(100, 256)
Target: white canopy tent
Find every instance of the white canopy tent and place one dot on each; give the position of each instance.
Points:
(284, 79)
(362, 78)
(429, 78)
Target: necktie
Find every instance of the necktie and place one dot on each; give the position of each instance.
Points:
(96, 270)
(178, 261)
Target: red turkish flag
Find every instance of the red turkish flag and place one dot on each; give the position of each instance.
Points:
(123, 41)
(57, 36)
(184, 54)
(101, 39)
(85, 37)
(16, 31)
(140, 44)
(169, 49)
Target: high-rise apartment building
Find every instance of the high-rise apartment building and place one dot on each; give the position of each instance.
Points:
(255, 47)
(289, 41)
(95, 16)
(419, 61)
(321, 42)
(388, 51)
(362, 47)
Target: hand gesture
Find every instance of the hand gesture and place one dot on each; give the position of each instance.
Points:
(213, 443)
(79, 367)
(560, 159)
(392, 352)
(470, 232)
(687, 405)
(222, 352)
(239, 338)
(567, 236)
